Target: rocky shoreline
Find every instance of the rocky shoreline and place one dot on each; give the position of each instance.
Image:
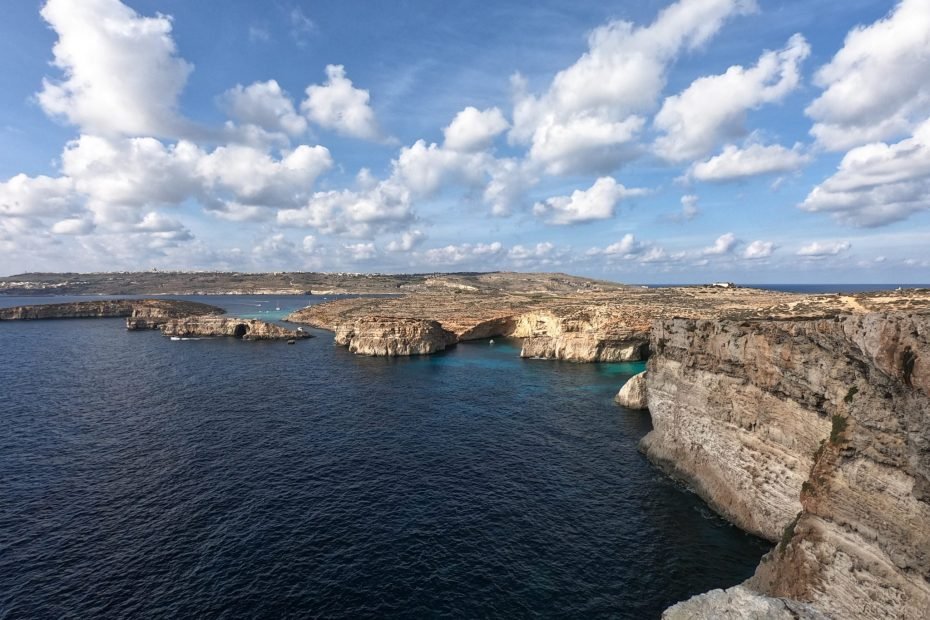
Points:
(802, 419)
(181, 319)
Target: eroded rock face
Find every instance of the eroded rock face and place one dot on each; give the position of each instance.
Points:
(393, 336)
(814, 433)
(151, 310)
(740, 603)
(245, 329)
(633, 394)
(592, 334)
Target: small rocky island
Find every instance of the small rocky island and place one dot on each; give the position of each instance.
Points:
(174, 318)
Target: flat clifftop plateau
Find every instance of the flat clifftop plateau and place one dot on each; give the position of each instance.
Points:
(585, 326)
(812, 432)
(213, 326)
(148, 311)
(288, 283)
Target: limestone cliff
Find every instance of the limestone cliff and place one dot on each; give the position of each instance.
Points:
(633, 394)
(740, 603)
(814, 433)
(151, 310)
(393, 336)
(589, 334)
(246, 329)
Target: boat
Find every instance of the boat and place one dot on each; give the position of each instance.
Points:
(175, 337)
(491, 341)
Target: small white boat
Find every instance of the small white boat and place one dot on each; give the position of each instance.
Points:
(175, 337)
(491, 341)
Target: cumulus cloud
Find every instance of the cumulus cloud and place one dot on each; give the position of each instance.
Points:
(131, 172)
(455, 254)
(817, 249)
(264, 105)
(360, 251)
(339, 106)
(893, 52)
(713, 108)
(408, 241)
(73, 226)
(758, 250)
(23, 195)
(593, 110)
(360, 212)
(474, 130)
(121, 72)
(627, 246)
(878, 183)
(256, 178)
(595, 203)
(724, 244)
(739, 163)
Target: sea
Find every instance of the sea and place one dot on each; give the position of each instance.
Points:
(142, 477)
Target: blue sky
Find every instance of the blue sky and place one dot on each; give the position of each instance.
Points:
(653, 141)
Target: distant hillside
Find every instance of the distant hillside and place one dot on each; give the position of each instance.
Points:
(214, 283)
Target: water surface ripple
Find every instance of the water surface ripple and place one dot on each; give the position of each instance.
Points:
(142, 477)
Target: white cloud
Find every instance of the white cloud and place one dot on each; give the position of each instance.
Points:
(817, 249)
(739, 163)
(408, 241)
(255, 178)
(627, 247)
(360, 213)
(425, 169)
(474, 130)
(713, 108)
(121, 72)
(879, 183)
(596, 203)
(689, 209)
(73, 226)
(724, 244)
(131, 172)
(592, 110)
(339, 106)
(37, 196)
(878, 85)
(360, 251)
(758, 250)
(540, 250)
(456, 254)
(506, 189)
(265, 105)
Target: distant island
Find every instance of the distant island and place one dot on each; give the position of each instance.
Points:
(803, 419)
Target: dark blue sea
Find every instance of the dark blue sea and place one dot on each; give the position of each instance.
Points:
(147, 478)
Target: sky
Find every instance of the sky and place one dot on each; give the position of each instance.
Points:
(754, 141)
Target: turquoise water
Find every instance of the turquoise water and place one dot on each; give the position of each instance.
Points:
(144, 477)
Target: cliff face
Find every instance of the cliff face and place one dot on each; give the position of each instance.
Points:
(246, 329)
(591, 334)
(141, 309)
(814, 433)
(393, 336)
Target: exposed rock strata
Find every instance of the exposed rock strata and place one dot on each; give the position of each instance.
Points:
(246, 329)
(740, 603)
(393, 336)
(152, 311)
(585, 326)
(589, 334)
(814, 433)
(633, 394)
